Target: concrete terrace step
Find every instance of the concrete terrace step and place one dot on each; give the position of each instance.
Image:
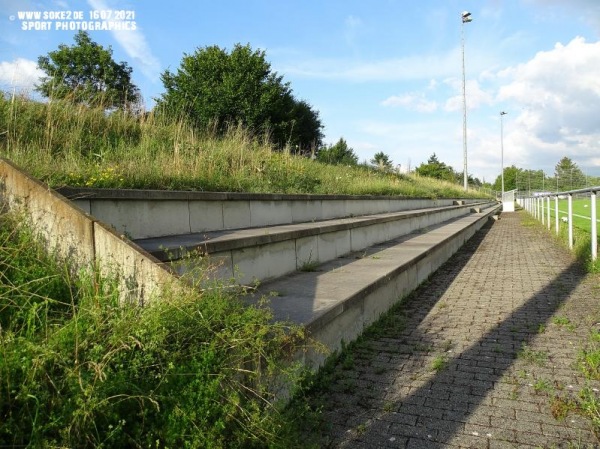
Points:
(140, 214)
(263, 253)
(371, 250)
(337, 300)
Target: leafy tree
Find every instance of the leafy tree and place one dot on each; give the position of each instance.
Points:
(214, 88)
(473, 181)
(534, 181)
(458, 179)
(86, 73)
(567, 175)
(511, 174)
(338, 154)
(436, 169)
(382, 161)
(306, 135)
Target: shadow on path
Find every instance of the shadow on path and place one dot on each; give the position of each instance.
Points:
(465, 327)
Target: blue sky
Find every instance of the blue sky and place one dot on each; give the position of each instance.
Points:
(385, 75)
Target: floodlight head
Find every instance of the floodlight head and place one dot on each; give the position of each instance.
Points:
(466, 17)
(503, 113)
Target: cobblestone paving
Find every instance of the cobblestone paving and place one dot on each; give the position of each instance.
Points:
(486, 357)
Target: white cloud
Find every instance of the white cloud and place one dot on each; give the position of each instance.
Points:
(560, 92)
(21, 74)
(553, 101)
(411, 101)
(135, 45)
(476, 95)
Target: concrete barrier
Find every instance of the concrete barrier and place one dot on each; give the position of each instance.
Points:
(80, 238)
(64, 227)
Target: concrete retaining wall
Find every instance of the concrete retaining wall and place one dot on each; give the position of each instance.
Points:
(143, 214)
(80, 238)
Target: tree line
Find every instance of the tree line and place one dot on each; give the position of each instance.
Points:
(212, 89)
(434, 168)
(567, 176)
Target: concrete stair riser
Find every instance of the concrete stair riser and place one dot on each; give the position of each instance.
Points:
(145, 214)
(277, 256)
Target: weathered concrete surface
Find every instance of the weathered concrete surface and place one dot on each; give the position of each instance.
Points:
(66, 228)
(141, 277)
(338, 299)
(150, 213)
(80, 238)
(262, 253)
(477, 356)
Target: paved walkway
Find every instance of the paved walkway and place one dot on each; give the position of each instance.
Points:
(482, 356)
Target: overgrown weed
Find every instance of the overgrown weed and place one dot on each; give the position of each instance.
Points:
(81, 369)
(63, 144)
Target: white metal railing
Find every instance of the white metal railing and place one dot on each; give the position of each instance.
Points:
(535, 206)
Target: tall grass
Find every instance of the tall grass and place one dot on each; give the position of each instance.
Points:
(78, 369)
(64, 144)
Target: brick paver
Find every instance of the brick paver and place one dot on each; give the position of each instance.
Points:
(488, 352)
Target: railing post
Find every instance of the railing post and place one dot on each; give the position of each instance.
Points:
(593, 212)
(542, 211)
(532, 207)
(570, 220)
(556, 214)
(548, 206)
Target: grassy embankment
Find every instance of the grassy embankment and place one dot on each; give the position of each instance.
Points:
(63, 144)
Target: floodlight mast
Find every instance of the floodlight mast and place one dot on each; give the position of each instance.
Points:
(466, 18)
(502, 148)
